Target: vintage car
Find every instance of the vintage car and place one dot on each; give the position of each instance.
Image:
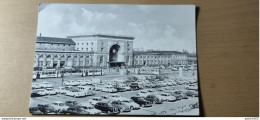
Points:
(90, 108)
(61, 90)
(46, 108)
(149, 85)
(95, 100)
(51, 91)
(36, 86)
(87, 90)
(121, 106)
(76, 110)
(167, 97)
(119, 88)
(155, 99)
(126, 87)
(108, 89)
(142, 93)
(136, 86)
(71, 103)
(132, 105)
(35, 110)
(151, 91)
(116, 97)
(70, 83)
(140, 77)
(106, 107)
(191, 93)
(59, 106)
(75, 93)
(191, 87)
(179, 95)
(141, 101)
(98, 86)
(46, 85)
(82, 82)
(42, 92)
(163, 84)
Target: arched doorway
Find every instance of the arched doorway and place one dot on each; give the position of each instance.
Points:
(113, 56)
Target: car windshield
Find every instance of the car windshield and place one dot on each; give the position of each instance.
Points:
(142, 99)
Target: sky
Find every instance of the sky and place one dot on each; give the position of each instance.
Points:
(156, 27)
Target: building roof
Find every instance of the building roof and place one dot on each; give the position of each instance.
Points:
(158, 52)
(104, 36)
(55, 40)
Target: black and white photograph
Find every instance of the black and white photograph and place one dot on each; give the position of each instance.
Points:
(115, 59)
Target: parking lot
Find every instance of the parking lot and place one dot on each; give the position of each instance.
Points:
(166, 108)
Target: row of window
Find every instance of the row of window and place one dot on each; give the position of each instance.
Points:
(150, 62)
(86, 43)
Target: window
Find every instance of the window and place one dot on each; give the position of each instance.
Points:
(77, 48)
(77, 43)
(81, 48)
(102, 49)
(82, 43)
(86, 49)
(91, 49)
(92, 43)
(102, 44)
(128, 44)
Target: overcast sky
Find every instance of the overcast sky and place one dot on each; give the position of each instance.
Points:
(163, 27)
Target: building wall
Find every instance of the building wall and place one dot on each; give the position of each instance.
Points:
(54, 46)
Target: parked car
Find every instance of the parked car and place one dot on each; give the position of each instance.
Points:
(87, 90)
(117, 97)
(61, 90)
(46, 85)
(42, 92)
(95, 100)
(59, 106)
(141, 101)
(136, 86)
(90, 108)
(51, 91)
(149, 85)
(108, 89)
(191, 87)
(36, 86)
(70, 83)
(106, 107)
(126, 87)
(167, 97)
(35, 110)
(77, 110)
(75, 93)
(119, 88)
(82, 82)
(161, 83)
(71, 103)
(142, 93)
(45, 108)
(191, 93)
(121, 106)
(153, 99)
(180, 95)
(132, 105)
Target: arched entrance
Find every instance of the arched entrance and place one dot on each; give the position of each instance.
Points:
(113, 56)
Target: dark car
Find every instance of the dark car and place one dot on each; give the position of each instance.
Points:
(135, 86)
(71, 103)
(191, 93)
(76, 110)
(153, 99)
(121, 106)
(34, 110)
(141, 101)
(106, 107)
(119, 88)
(45, 108)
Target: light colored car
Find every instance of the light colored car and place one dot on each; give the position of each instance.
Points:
(108, 89)
(87, 90)
(191, 87)
(90, 108)
(127, 88)
(164, 84)
(51, 91)
(75, 93)
(82, 82)
(61, 90)
(140, 77)
(42, 92)
(132, 105)
(167, 97)
(142, 93)
(36, 86)
(149, 85)
(117, 97)
(59, 106)
(46, 85)
(70, 83)
(95, 100)
(98, 86)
